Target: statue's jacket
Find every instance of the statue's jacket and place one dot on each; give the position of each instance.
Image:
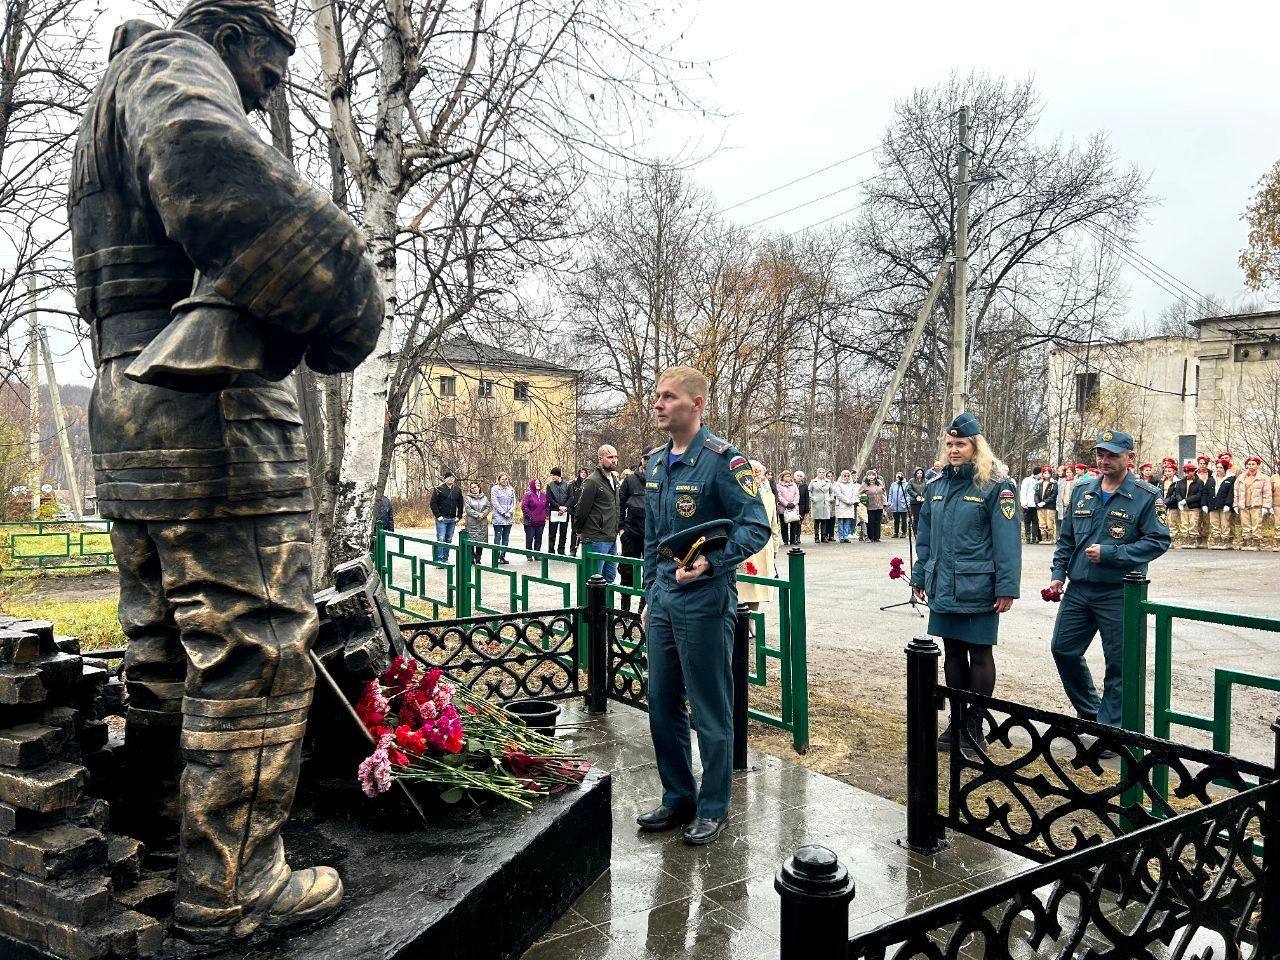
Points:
(170, 178)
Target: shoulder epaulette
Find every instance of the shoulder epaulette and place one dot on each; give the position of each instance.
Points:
(933, 479)
(652, 450)
(1144, 485)
(715, 444)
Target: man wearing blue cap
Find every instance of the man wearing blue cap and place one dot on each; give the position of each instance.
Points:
(1114, 524)
(703, 517)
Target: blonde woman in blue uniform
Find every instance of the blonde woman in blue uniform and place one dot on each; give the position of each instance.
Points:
(968, 559)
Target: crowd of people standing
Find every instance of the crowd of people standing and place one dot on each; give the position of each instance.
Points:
(844, 509)
(1210, 502)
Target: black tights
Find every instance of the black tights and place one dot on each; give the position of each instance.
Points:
(969, 666)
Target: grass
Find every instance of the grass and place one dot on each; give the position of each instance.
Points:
(94, 620)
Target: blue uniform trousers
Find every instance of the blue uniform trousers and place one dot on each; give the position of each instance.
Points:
(1089, 609)
(690, 652)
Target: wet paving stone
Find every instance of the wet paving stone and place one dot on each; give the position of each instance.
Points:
(589, 943)
(661, 898)
(693, 927)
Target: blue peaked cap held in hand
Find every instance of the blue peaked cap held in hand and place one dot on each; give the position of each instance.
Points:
(965, 425)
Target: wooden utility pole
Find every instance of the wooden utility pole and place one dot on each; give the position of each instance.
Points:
(60, 425)
(960, 275)
(922, 317)
(33, 397)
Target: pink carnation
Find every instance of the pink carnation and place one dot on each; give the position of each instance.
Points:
(375, 771)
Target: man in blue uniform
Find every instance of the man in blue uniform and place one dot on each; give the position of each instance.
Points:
(1115, 523)
(692, 603)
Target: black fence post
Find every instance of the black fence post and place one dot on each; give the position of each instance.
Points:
(816, 890)
(924, 828)
(1269, 928)
(597, 646)
(741, 641)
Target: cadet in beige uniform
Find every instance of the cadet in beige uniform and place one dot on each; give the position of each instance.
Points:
(1253, 502)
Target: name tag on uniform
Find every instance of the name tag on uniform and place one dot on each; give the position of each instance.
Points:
(1083, 513)
(652, 484)
(974, 499)
(687, 488)
(1120, 514)
(938, 497)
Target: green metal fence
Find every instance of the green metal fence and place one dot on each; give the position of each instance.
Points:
(432, 578)
(1137, 610)
(32, 545)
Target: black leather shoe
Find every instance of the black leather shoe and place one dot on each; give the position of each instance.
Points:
(703, 830)
(663, 818)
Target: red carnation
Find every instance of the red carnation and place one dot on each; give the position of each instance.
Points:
(750, 568)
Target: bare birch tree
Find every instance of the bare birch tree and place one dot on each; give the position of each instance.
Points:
(46, 74)
(465, 129)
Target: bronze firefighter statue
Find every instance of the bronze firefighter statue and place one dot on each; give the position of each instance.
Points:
(207, 270)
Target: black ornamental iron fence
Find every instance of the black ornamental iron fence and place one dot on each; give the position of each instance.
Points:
(1123, 867)
(546, 655)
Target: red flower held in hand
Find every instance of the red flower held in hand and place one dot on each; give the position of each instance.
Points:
(1049, 595)
(895, 569)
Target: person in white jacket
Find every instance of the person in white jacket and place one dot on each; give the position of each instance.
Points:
(844, 494)
(1027, 500)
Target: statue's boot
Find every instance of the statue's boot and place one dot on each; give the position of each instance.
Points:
(242, 762)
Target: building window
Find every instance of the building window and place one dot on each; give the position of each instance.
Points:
(448, 386)
(485, 389)
(522, 430)
(449, 426)
(521, 390)
(1086, 390)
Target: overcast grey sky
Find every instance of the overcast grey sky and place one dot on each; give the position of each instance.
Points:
(1185, 90)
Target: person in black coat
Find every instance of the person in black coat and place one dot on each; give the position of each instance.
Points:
(1224, 495)
(446, 507)
(1195, 523)
(559, 507)
(802, 481)
(631, 494)
(575, 493)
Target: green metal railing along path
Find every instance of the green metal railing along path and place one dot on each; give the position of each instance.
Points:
(34, 545)
(467, 588)
(1137, 610)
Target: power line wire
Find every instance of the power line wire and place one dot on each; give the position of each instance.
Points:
(1125, 256)
(809, 203)
(1171, 284)
(791, 183)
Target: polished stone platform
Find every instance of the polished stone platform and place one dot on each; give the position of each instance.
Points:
(662, 900)
(478, 884)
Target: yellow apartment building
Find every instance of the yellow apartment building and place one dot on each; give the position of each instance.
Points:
(480, 410)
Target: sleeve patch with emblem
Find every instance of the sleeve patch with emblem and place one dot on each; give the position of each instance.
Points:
(736, 462)
(747, 481)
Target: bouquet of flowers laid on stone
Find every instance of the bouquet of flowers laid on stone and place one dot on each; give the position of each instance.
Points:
(423, 738)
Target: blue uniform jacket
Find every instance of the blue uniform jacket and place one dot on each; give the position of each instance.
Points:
(1131, 528)
(969, 548)
(710, 481)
